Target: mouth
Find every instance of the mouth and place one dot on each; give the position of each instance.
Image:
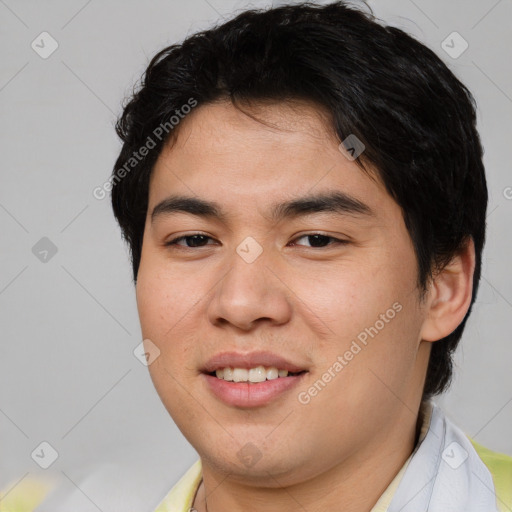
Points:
(252, 379)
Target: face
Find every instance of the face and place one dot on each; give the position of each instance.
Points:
(325, 288)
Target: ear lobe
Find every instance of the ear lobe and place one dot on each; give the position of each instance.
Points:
(449, 295)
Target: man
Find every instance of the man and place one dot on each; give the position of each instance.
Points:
(306, 232)
(304, 198)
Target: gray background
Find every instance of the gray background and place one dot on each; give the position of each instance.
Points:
(68, 375)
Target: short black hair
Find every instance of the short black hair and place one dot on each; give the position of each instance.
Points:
(415, 118)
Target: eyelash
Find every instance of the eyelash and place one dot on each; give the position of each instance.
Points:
(174, 241)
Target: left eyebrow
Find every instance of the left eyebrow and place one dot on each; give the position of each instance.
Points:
(335, 202)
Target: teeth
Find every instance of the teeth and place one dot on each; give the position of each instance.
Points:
(272, 373)
(240, 374)
(258, 374)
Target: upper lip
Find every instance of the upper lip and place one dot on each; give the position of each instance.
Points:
(249, 360)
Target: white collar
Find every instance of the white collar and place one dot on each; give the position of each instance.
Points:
(444, 474)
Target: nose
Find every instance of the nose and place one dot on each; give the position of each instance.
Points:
(249, 294)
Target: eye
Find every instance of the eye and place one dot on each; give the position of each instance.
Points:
(191, 241)
(318, 240)
(196, 240)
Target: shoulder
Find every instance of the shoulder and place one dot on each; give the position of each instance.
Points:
(500, 466)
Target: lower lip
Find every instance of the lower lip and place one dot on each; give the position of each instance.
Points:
(246, 394)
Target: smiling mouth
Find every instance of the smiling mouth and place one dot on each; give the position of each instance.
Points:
(254, 386)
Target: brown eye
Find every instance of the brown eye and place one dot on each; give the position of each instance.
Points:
(318, 240)
(191, 241)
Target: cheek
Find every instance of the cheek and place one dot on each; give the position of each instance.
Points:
(348, 297)
(154, 304)
(164, 293)
(162, 309)
(163, 301)
(372, 303)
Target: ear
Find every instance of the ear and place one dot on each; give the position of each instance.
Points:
(449, 295)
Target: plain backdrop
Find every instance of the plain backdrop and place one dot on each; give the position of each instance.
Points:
(68, 375)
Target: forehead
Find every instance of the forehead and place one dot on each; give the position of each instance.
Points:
(265, 119)
(247, 156)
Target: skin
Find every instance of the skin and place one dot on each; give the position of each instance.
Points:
(342, 449)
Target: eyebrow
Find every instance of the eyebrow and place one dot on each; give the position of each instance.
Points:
(337, 202)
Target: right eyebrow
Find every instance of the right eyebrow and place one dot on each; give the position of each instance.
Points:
(185, 204)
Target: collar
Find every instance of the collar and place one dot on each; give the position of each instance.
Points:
(444, 473)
